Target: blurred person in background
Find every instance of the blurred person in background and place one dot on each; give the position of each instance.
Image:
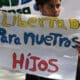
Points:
(49, 7)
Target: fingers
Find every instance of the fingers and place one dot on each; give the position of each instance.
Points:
(78, 43)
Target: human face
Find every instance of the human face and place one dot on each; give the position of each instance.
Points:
(51, 8)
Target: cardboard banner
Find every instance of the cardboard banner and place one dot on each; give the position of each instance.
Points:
(42, 46)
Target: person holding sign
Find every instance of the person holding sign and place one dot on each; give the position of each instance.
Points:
(50, 8)
(47, 8)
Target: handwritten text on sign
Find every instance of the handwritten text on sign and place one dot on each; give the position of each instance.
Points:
(39, 45)
(42, 64)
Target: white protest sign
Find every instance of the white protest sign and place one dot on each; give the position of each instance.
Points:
(43, 46)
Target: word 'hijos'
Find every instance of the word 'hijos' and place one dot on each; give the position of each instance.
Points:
(34, 63)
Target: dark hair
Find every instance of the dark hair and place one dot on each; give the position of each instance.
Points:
(41, 2)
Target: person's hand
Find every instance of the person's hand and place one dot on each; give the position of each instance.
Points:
(78, 43)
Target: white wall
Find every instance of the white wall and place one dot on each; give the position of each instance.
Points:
(71, 8)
